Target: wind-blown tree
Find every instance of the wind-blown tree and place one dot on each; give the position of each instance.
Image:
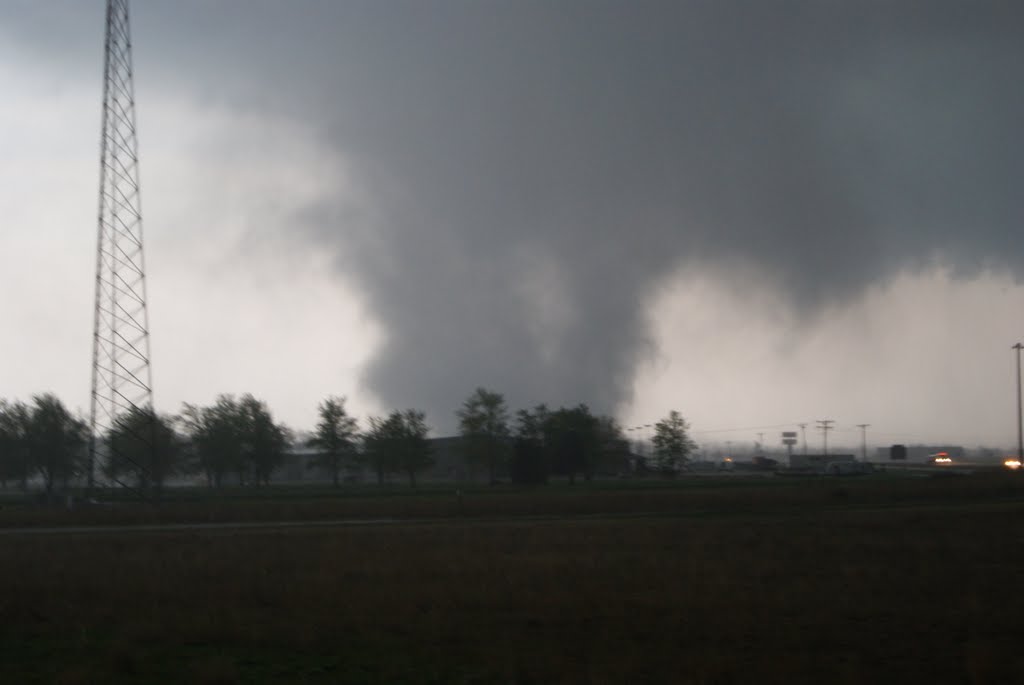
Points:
(612, 446)
(236, 436)
(415, 455)
(215, 433)
(56, 440)
(529, 463)
(566, 441)
(579, 443)
(381, 445)
(336, 439)
(399, 443)
(483, 424)
(672, 443)
(144, 448)
(14, 452)
(264, 440)
(572, 440)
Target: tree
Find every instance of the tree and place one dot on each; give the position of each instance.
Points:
(55, 441)
(483, 424)
(235, 436)
(672, 443)
(570, 435)
(335, 439)
(379, 443)
(529, 464)
(215, 433)
(399, 443)
(566, 441)
(612, 446)
(144, 447)
(264, 441)
(14, 452)
(415, 454)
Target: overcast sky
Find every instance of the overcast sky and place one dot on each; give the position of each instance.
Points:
(757, 213)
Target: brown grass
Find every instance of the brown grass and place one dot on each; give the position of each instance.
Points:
(761, 591)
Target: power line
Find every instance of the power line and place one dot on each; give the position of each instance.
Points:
(863, 440)
(825, 425)
(744, 428)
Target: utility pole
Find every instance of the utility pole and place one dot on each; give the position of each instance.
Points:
(803, 435)
(863, 440)
(825, 425)
(122, 385)
(1020, 432)
(760, 442)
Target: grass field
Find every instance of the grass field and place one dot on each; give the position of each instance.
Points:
(839, 581)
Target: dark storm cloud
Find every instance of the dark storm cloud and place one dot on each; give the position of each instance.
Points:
(538, 168)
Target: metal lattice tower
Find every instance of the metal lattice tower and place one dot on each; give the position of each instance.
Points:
(121, 375)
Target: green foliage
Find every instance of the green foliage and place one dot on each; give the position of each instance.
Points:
(399, 443)
(380, 445)
(416, 453)
(483, 424)
(571, 438)
(235, 436)
(144, 448)
(56, 441)
(568, 442)
(14, 452)
(612, 447)
(531, 425)
(529, 464)
(265, 441)
(672, 443)
(335, 439)
(215, 434)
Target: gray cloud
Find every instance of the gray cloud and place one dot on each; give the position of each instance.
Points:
(826, 144)
(536, 169)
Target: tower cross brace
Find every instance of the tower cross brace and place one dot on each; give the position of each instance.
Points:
(121, 417)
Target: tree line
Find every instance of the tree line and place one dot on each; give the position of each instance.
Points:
(571, 442)
(236, 440)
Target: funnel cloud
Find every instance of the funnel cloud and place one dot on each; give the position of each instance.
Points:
(543, 168)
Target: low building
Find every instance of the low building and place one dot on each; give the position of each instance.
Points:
(837, 464)
(917, 454)
(446, 453)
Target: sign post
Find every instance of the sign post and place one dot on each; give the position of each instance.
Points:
(789, 439)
